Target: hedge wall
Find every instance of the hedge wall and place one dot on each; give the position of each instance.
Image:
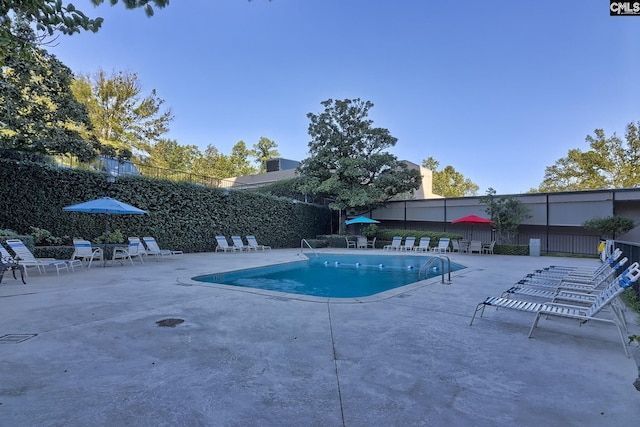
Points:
(182, 216)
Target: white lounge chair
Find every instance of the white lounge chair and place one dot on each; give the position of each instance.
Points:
(573, 293)
(455, 245)
(395, 244)
(83, 251)
(577, 312)
(238, 243)
(223, 245)
(26, 258)
(567, 290)
(559, 270)
(443, 245)
(543, 278)
(136, 250)
(408, 244)
(423, 244)
(128, 253)
(141, 251)
(550, 289)
(154, 250)
(252, 242)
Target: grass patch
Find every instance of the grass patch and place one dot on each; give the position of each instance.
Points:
(630, 298)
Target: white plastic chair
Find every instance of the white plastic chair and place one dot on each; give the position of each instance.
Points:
(395, 244)
(408, 244)
(26, 258)
(223, 245)
(371, 243)
(488, 248)
(127, 253)
(83, 251)
(581, 313)
(423, 244)
(154, 250)
(475, 246)
(252, 242)
(238, 243)
(443, 245)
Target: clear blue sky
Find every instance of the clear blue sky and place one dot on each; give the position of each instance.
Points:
(497, 89)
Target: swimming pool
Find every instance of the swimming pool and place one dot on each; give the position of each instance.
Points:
(333, 275)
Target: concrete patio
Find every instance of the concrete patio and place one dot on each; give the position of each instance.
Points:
(255, 358)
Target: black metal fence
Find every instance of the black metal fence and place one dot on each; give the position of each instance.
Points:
(181, 176)
(561, 243)
(154, 172)
(560, 240)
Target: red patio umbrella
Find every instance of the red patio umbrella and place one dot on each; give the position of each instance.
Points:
(471, 219)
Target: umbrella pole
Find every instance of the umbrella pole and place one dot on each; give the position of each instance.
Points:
(106, 241)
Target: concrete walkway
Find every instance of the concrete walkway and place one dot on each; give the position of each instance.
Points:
(244, 358)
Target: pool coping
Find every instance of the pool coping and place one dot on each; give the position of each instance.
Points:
(380, 296)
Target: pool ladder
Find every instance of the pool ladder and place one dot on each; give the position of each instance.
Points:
(431, 263)
(303, 242)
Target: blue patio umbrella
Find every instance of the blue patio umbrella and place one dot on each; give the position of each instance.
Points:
(361, 220)
(105, 205)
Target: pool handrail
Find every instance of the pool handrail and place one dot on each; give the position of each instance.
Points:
(433, 260)
(302, 242)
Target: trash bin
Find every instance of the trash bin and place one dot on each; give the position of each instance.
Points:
(534, 247)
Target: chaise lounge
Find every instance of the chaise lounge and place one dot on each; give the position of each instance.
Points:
(26, 258)
(253, 243)
(223, 245)
(153, 249)
(578, 312)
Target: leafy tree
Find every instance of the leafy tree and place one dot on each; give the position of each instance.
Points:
(347, 159)
(289, 188)
(168, 154)
(210, 163)
(610, 163)
(506, 212)
(449, 182)
(38, 113)
(51, 16)
(239, 160)
(611, 226)
(122, 118)
(217, 165)
(264, 150)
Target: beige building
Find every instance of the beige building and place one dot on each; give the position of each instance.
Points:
(425, 191)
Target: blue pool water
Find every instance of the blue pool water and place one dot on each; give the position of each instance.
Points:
(336, 276)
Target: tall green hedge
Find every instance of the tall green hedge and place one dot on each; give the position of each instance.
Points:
(181, 216)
